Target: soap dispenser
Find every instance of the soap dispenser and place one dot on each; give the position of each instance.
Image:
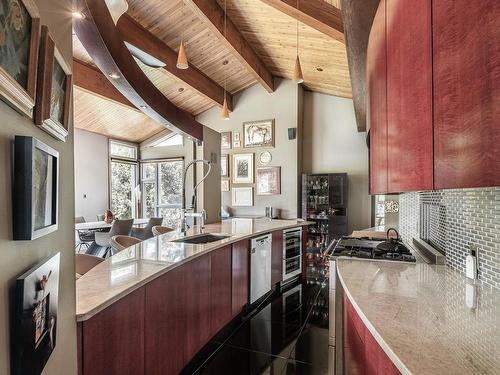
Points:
(471, 263)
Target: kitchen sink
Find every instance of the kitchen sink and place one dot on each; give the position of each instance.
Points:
(202, 238)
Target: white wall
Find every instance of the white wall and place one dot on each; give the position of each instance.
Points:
(255, 103)
(332, 144)
(91, 174)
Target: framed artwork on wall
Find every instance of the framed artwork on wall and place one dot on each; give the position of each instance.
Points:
(35, 189)
(225, 140)
(242, 169)
(224, 165)
(265, 158)
(268, 180)
(224, 185)
(242, 196)
(53, 89)
(35, 324)
(258, 133)
(19, 44)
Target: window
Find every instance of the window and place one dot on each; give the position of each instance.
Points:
(175, 140)
(162, 190)
(123, 179)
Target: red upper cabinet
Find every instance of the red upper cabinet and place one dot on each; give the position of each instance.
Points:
(376, 69)
(466, 43)
(409, 95)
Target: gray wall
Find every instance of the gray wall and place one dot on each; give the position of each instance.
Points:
(17, 257)
(91, 174)
(332, 144)
(255, 103)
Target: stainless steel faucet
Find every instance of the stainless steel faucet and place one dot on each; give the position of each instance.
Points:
(192, 210)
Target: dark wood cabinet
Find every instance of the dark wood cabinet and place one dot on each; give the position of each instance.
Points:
(240, 275)
(220, 288)
(165, 324)
(376, 70)
(277, 258)
(466, 43)
(409, 95)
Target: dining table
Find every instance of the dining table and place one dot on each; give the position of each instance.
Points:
(97, 225)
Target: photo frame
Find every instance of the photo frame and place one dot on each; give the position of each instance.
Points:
(242, 196)
(258, 133)
(53, 89)
(35, 317)
(224, 165)
(35, 189)
(20, 29)
(268, 180)
(225, 140)
(243, 168)
(224, 185)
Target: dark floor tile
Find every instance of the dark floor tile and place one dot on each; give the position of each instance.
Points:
(312, 346)
(204, 355)
(299, 368)
(235, 361)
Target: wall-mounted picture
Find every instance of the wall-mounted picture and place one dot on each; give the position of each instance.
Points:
(35, 189)
(236, 136)
(36, 317)
(225, 140)
(242, 196)
(224, 185)
(268, 180)
(242, 168)
(19, 43)
(224, 165)
(53, 89)
(265, 158)
(258, 133)
(236, 144)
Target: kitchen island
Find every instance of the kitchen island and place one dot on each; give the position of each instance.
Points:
(426, 319)
(150, 308)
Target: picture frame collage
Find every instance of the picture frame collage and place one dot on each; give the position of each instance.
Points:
(238, 170)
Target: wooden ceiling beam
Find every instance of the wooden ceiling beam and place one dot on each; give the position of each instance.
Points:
(317, 14)
(212, 14)
(91, 79)
(100, 37)
(132, 32)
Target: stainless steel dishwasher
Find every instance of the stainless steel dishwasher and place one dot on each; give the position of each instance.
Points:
(260, 266)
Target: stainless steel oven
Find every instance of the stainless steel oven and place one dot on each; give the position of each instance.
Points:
(292, 253)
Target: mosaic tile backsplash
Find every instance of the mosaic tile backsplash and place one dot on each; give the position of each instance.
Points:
(452, 221)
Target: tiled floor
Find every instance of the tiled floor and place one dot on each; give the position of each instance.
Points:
(288, 336)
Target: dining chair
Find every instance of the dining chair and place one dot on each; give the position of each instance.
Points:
(85, 237)
(159, 230)
(119, 227)
(146, 232)
(119, 243)
(84, 263)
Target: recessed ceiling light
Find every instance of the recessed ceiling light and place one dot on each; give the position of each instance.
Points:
(78, 15)
(144, 106)
(319, 69)
(181, 89)
(225, 62)
(114, 75)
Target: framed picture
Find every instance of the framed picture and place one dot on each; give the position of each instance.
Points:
(242, 168)
(242, 196)
(224, 185)
(19, 44)
(268, 180)
(35, 189)
(224, 165)
(35, 317)
(258, 133)
(265, 158)
(236, 144)
(53, 89)
(225, 140)
(236, 136)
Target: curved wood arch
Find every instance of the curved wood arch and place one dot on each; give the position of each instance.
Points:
(100, 37)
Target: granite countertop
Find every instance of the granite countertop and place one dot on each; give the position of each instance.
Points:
(420, 316)
(132, 268)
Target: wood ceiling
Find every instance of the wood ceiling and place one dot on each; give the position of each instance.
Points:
(270, 33)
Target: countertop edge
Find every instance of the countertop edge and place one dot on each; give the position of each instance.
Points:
(87, 314)
(380, 340)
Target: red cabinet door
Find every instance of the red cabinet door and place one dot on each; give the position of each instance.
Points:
(466, 38)
(409, 95)
(376, 68)
(240, 275)
(220, 288)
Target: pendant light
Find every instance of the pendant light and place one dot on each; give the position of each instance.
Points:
(225, 109)
(298, 77)
(182, 61)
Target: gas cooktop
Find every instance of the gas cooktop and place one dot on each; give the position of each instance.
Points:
(367, 249)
